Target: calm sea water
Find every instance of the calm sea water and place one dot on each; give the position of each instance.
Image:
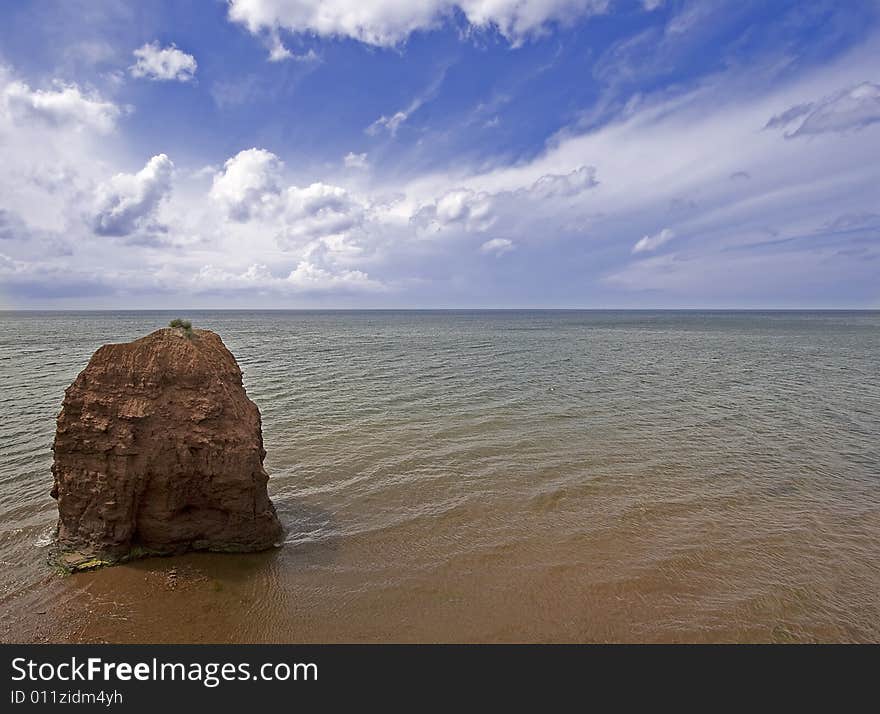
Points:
(498, 476)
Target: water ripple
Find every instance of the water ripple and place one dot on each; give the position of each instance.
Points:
(517, 475)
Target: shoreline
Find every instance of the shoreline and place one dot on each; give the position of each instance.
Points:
(185, 600)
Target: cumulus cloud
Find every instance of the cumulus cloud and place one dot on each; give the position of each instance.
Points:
(128, 202)
(163, 63)
(65, 105)
(464, 206)
(355, 161)
(461, 207)
(649, 243)
(317, 211)
(564, 185)
(348, 237)
(250, 187)
(249, 184)
(306, 277)
(849, 109)
(212, 277)
(497, 246)
(389, 23)
(480, 210)
(517, 20)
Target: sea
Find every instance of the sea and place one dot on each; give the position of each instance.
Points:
(492, 476)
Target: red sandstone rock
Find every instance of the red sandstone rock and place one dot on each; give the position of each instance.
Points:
(159, 450)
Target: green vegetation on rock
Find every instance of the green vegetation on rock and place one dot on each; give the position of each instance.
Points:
(185, 325)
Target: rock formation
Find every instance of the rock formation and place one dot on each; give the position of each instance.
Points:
(159, 450)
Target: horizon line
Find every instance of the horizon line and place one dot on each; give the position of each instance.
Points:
(443, 309)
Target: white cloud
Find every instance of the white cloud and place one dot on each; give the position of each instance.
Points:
(207, 171)
(9, 265)
(317, 211)
(212, 277)
(163, 63)
(11, 225)
(277, 51)
(497, 246)
(250, 188)
(63, 106)
(460, 207)
(128, 202)
(564, 185)
(310, 56)
(306, 277)
(472, 210)
(392, 123)
(517, 20)
(849, 109)
(465, 206)
(54, 153)
(389, 22)
(249, 184)
(356, 161)
(649, 243)
(790, 276)
(378, 23)
(665, 161)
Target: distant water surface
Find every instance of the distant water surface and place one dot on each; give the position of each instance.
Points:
(497, 476)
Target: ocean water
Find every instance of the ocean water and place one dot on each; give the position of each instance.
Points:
(495, 476)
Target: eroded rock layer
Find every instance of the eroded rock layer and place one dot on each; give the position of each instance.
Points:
(159, 450)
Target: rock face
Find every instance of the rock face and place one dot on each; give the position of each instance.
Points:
(159, 450)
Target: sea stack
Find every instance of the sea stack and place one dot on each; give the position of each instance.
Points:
(159, 450)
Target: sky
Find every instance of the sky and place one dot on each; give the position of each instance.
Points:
(440, 154)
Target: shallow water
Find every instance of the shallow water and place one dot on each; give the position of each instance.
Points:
(498, 476)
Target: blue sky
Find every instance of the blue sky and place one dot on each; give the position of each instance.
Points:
(481, 153)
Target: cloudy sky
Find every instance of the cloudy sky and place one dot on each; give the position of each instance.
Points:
(440, 153)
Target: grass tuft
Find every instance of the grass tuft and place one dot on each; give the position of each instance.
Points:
(185, 325)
